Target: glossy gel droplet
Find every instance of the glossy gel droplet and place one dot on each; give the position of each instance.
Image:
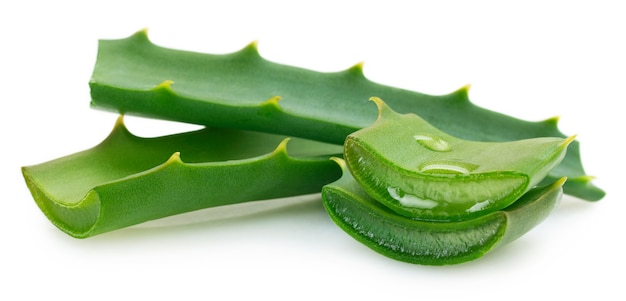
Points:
(433, 143)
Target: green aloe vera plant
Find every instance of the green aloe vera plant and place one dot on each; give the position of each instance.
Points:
(442, 188)
(244, 91)
(126, 180)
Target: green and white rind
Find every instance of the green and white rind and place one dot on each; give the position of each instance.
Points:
(433, 243)
(242, 90)
(128, 180)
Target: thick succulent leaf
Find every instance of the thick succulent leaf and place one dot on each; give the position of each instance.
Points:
(127, 180)
(433, 243)
(244, 91)
(423, 173)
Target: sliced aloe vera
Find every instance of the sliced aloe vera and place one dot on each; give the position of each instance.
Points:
(127, 180)
(433, 243)
(244, 91)
(423, 173)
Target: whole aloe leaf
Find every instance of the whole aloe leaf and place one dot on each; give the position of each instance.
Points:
(126, 180)
(244, 91)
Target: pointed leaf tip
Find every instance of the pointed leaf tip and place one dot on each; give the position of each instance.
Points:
(340, 162)
(254, 44)
(282, 147)
(377, 100)
(356, 70)
(119, 121)
(585, 178)
(272, 103)
(119, 127)
(251, 49)
(175, 157)
(379, 103)
(141, 34)
(463, 92)
(552, 121)
(383, 108)
(568, 140)
(165, 85)
(560, 181)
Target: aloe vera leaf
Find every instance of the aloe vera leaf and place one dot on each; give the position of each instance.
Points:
(433, 243)
(420, 172)
(126, 180)
(244, 91)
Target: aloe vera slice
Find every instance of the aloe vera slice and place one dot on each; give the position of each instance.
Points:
(127, 180)
(433, 243)
(244, 91)
(423, 173)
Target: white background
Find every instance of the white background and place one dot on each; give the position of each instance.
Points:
(529, 59)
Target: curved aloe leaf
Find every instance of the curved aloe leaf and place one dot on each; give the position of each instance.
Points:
(244, 91)
(127, 180)
(433, 243)
(423, 173)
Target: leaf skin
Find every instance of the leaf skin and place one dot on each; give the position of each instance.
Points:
(242, 90)
(422, 173)
(433, 243)
(127, 180)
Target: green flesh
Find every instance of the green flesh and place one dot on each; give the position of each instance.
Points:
(127, 180)
(433, 243)
(423, 173)
(242, 90)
